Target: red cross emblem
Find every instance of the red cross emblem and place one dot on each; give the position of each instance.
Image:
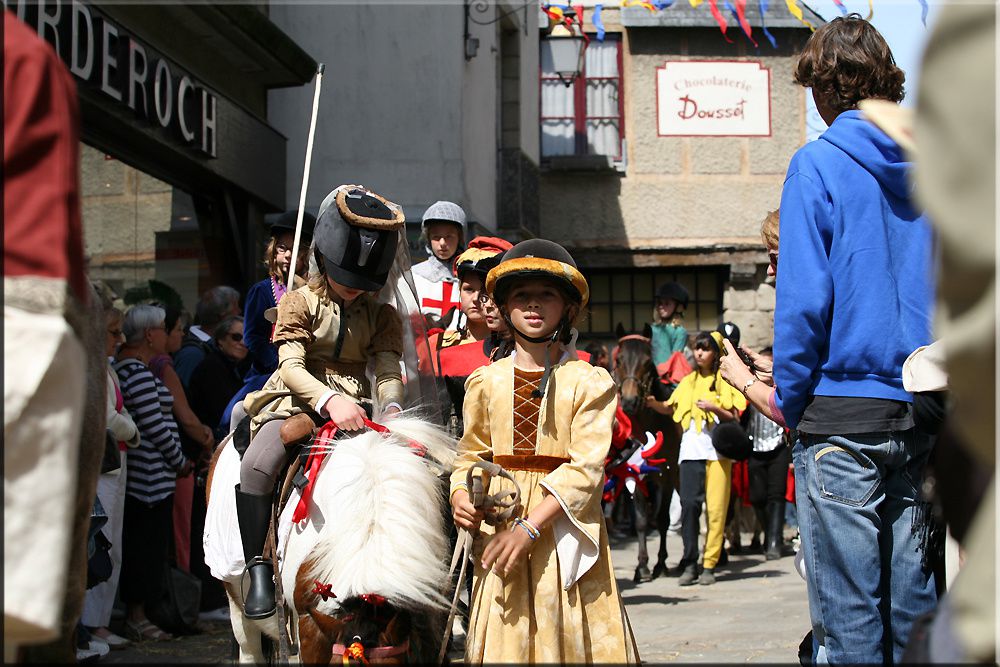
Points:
(446, 302)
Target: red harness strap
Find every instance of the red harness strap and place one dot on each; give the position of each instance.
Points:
(316, 457)
(356, 652)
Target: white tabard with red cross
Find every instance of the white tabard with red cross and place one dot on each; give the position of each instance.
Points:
(436, 298)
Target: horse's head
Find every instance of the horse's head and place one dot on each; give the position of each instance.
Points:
(633, 370)
(363, 629)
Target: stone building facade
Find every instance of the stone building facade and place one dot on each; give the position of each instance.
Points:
(685, 208)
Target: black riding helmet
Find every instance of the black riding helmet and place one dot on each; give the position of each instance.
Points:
(673, 291)
(286, 223)
(356, 237)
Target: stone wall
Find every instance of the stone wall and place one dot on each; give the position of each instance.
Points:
(748, 302)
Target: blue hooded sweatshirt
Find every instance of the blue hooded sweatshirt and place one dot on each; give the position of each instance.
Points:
(854, 285)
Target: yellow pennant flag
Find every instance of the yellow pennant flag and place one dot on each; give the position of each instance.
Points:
(796, 11)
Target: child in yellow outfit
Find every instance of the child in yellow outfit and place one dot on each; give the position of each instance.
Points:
(702, 401)
(543, 586)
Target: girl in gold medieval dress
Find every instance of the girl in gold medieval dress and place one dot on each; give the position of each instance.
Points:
(543, 586)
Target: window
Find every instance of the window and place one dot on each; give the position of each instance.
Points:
(627, 297)
(586, 117)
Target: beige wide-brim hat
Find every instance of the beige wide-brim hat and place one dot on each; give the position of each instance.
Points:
(894, 120)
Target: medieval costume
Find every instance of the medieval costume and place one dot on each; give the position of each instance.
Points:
(44, 358)
(551, 430)
(324, 349)
(457, 353)
(436, 283)
(262, 298)
(670, 338)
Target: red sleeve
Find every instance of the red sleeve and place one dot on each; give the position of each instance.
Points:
(41, 161)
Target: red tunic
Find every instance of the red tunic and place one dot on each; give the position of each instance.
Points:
(42, 232)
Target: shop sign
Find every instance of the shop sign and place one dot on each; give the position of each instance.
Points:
(125, 71)
(713, 98)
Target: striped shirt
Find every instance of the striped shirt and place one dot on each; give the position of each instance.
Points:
(764, 434)
(153, 464)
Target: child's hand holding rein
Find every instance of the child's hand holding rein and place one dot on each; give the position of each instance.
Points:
(464, 512)
(347, 415)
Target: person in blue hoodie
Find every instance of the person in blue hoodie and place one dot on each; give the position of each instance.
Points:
(854, 298)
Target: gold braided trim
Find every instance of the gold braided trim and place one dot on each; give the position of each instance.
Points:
(552, 267)
(379, 224)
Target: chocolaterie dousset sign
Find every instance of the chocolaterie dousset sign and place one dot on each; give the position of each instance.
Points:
(106, 57)
(713, 98)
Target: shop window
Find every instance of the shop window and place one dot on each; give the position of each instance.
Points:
(585, 118)
(626, 297)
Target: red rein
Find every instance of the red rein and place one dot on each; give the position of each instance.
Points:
(316, 456)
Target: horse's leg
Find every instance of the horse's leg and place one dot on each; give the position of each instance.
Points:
(641, 504)
(660, 486)
(247, 634)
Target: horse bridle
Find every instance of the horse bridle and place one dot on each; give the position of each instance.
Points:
(347, 652)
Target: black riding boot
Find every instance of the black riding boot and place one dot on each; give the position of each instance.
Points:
(775, 526)
(254, 514)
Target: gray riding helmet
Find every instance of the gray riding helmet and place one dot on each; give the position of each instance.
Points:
(356, 237)
(446, 211)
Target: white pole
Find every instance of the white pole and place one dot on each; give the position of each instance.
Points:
(305, 177)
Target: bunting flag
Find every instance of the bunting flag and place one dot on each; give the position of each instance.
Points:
(741, 18)
(841, 7)
(639, 3)
(871, 11)
(923, 12)
(796, 11)
(579, 19)
(598, 23)
(720, 19)
(662, 4)
(763, 25)
(695, 3)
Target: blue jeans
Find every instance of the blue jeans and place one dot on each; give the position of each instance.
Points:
(856, 498)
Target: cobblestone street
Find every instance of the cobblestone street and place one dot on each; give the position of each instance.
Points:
(757, 612)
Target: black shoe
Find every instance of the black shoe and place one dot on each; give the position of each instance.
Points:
(775, 525)
(254, 515)
(689, 576)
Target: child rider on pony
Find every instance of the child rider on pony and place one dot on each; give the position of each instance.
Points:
(326, 333)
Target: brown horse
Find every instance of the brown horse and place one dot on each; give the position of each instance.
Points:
(636, 377)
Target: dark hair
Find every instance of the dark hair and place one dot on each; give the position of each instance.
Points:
(704, 341)
(595, 348)
(847, 61)
(222, 328)
(172, 315)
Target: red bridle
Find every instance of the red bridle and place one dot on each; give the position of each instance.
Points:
(354, 651)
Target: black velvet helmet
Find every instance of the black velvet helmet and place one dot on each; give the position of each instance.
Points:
(286, 223)
(356, 237)
(537, 258)
(673, 291)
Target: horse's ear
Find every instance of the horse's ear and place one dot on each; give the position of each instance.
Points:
(647, 330)
(620, 331)
(394, 630)
(330, 626)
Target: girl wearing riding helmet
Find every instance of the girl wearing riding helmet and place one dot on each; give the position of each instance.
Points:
(458, 353)
(326, 333)
(546, 417)
(263, 297)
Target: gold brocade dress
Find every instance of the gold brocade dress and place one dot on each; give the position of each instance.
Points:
(323, 347)
(561, 604)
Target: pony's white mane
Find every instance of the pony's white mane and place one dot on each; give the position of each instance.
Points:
(383, 529)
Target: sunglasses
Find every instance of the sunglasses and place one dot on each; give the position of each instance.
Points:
(235, 337)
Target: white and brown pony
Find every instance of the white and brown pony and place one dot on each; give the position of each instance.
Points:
(364, 575)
